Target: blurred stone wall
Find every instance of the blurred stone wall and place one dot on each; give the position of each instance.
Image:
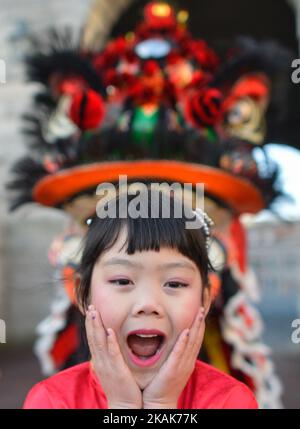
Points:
(25, 275)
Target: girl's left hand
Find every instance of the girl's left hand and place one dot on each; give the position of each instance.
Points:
(165, 388)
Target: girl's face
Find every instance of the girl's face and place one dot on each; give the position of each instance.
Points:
(155, 293)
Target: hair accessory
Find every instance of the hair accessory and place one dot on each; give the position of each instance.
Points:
(206, 223)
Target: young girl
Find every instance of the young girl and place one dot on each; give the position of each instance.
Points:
(145, 293)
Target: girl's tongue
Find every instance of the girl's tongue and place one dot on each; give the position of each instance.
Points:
(144, 346)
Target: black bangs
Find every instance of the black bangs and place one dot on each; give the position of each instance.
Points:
(153, 234)
(143, 233)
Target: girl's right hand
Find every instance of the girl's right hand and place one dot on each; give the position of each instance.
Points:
(114, 375)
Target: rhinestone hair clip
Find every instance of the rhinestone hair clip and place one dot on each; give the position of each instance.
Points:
(206, 223)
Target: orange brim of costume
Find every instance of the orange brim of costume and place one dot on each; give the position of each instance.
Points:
(241, 195)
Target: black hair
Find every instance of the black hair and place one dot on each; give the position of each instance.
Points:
(143, 233)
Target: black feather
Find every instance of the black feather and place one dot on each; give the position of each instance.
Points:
(58, 53)
(26, 173)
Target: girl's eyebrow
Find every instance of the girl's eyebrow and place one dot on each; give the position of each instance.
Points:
(126, 262)
(122, 261)
(177, 265)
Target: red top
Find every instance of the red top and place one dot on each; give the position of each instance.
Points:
(78, 388)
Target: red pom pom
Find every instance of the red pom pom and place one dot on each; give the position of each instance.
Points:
(150, 67)
(204, 108)
(159, 15)
(173, 58)
(87, 109)
(119, 46)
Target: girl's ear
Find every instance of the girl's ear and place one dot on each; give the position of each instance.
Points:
(207, 299)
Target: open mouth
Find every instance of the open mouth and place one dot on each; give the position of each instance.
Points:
(145, 346)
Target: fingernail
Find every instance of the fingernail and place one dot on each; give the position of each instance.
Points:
(91, 307)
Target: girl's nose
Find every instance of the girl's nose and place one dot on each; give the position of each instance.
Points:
(148, 304)
(148, 310)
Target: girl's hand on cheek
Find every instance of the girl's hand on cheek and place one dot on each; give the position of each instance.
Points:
(165, 388)
(114, 375)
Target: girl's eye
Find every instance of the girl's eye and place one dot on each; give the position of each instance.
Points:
(120, 282)
(177, 285)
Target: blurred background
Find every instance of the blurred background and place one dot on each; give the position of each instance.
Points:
(26, 277)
